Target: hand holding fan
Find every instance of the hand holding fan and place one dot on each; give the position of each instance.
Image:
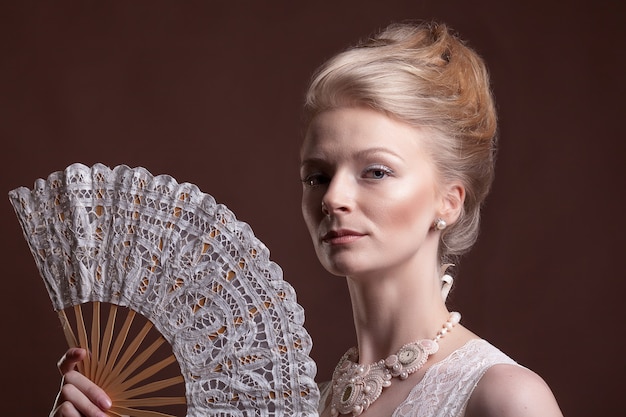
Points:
(136, 243)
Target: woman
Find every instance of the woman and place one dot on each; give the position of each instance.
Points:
(397, 159)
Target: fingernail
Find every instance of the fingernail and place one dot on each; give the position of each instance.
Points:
(106, 403)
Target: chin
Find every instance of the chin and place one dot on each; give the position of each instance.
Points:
(342, 267)
(342, 262)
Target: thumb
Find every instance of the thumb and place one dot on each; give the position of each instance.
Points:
(69, 360)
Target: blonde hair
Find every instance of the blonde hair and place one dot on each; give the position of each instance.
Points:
(424, 75)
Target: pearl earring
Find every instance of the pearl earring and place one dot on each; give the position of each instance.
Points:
(440, 224)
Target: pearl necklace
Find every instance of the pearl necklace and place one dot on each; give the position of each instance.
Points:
(355, 387)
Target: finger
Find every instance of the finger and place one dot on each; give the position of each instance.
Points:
(70, 359)
(76, 404)
(83, 392)
(65, 409)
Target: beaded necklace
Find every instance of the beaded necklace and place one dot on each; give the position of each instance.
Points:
(355, 386)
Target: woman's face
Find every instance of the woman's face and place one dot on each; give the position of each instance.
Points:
(369, 192)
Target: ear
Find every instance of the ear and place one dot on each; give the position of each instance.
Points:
(451, 204)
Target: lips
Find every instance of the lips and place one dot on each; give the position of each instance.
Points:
(341, 236)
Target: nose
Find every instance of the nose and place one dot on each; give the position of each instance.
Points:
(339, 195)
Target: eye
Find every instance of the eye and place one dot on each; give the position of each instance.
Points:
(377, 172)
(315, 179)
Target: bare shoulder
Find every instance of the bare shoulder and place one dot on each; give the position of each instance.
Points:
(510, 390)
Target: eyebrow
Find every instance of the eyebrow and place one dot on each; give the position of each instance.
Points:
(359, 155)
(375, 150)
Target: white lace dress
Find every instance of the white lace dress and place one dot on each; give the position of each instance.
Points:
(447, 385)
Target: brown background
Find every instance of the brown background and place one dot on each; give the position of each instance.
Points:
(210, 92)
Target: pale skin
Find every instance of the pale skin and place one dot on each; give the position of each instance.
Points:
(370, 197)
(78, 395)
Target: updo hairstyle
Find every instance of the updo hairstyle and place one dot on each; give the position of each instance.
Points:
(427, 77)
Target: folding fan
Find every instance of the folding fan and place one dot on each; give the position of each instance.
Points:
(126, 242)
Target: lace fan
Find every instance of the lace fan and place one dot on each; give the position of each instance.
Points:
(129, 242)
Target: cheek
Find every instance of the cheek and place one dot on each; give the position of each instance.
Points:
(410, 208)
(311, 211)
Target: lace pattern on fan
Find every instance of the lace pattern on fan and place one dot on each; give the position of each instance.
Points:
(170, 252)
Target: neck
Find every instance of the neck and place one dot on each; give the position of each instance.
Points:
(395, 308)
